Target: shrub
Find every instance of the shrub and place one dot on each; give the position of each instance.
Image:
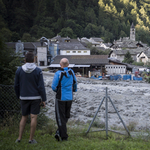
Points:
(138, 63)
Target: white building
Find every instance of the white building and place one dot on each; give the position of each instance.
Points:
(67, 46)
(42, 56)
(115, 69)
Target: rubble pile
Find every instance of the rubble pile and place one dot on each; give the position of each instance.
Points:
(131, 98)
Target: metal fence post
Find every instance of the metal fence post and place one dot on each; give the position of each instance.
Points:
(106, 116)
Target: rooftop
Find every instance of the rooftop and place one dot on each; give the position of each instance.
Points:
(83, 59)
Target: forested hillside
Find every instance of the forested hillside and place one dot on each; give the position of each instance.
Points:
(29, 20)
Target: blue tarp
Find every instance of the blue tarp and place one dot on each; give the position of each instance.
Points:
(115, 77)
(127, 77)
(137, 78)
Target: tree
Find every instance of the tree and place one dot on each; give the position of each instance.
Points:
(122, 14)
(57, 9)
(6, 34)
(8, 64)
(101, 3)
(94, 51)
(15, 37)
(3, 10)
(127, 58)
(122, 34)
(91, 30)
(21, 21)
(46, 32)
(26, 37)
(67, 32)
(108, 36)
(67, 11)
(90, 16)
(80, 14)
(75, 27)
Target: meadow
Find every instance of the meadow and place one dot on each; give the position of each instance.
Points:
(78, 140)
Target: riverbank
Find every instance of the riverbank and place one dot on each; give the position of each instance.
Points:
(131, 98)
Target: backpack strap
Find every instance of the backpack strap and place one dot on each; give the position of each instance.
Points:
(65, 74)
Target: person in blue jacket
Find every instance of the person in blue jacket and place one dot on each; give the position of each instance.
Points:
(30, 89)
(64, 84)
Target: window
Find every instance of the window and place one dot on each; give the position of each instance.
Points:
(79, 51)
(68, 51)
(85, 51)
(74, 51)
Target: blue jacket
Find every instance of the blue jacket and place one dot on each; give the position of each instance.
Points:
(29, 84)
(64, 84)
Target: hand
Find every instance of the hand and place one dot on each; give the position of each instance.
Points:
(43, 104)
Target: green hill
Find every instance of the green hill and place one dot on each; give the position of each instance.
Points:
(109, 19)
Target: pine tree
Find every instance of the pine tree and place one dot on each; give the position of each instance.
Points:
(8, 64)
(127, 58)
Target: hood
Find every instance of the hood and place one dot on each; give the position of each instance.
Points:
(28, 67)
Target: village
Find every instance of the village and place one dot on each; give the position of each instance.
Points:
(48, 53)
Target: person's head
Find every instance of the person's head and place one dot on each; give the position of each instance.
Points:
(29, 57)
(64, 62)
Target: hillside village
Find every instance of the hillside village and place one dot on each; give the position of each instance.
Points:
(48, 53)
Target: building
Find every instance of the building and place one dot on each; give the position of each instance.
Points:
(66, 46)
(83, 63)
(144, 56)
(95, 42)
(119, 54)
(123, 45)
(132, 32)
(40, 50)
(126, 42)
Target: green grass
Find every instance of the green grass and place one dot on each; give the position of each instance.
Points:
(78, 140)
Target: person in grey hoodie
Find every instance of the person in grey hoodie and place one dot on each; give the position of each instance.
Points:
(29, 88)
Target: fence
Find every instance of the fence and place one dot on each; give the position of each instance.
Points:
(10, 110)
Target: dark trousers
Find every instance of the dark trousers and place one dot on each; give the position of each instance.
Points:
(62, 112)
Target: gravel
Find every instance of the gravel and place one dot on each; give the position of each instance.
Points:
(131, 99)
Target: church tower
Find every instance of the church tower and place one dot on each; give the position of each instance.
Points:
(132, 32)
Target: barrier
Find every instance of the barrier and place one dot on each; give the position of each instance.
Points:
(115, 77)
(127, 77)
(137, 78)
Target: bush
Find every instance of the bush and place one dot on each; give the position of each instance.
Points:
(138, 63)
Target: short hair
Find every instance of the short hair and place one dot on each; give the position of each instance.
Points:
(29, 57)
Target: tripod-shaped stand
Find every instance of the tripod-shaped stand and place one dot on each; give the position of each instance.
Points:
(106, 118)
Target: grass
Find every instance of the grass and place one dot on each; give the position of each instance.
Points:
(78, 140)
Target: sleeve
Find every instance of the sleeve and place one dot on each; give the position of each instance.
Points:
(17, 85)
(41, 87)
(74, 83)
(55, 82)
